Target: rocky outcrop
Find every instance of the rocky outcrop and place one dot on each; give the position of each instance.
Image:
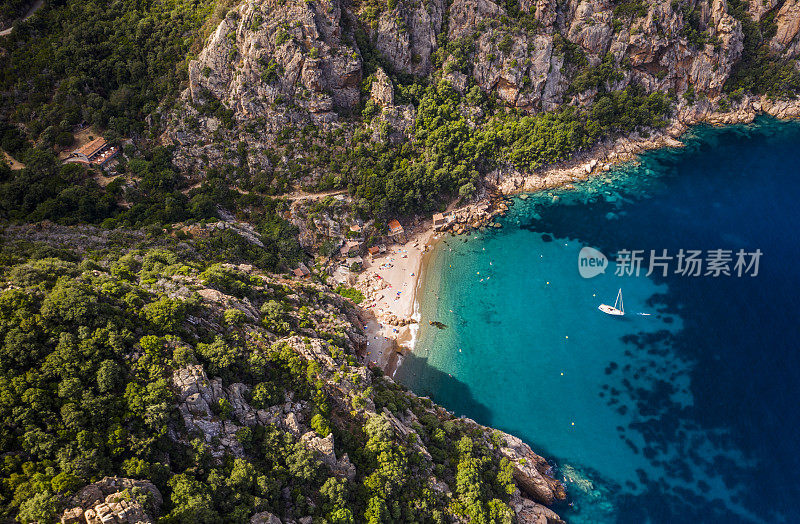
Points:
(197, 395)
(279, 67)
(787, 20)
(269, 67)
(526, 71)
(199, 403)
(519, 74)
(382, 92)
(325, 451)
(529, 512)
(265, 517)
(533, 474)
(465, 15)
(264, 50)
(114, 500)
(406, 35)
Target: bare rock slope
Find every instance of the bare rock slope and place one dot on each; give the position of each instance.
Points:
(272, 70)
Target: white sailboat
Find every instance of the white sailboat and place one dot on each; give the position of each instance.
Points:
(618, 309)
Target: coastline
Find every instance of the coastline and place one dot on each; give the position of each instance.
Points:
(392, 324)
(390, 283)
(609, 153)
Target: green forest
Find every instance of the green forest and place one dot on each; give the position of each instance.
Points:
(90, 345)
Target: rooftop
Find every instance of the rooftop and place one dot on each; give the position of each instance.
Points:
(395, 227)
(92, 147)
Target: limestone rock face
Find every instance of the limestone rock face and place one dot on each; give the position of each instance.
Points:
(114, 500)
(757, 10)
(590, 26)
(278, 67)
(382, 92)
(268, 67)
(526, 70)
(465, 15)
(265, 50)
(197, 394)
(406, 35)
(787, 20)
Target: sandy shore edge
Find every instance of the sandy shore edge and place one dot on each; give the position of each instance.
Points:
(390, 283)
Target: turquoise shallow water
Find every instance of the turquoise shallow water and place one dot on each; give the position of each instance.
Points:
(689, 412)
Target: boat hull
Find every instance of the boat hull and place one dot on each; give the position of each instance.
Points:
(610, 310)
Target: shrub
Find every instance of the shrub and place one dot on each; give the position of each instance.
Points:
(224, 408)
(353, 294)
(275, 318)
(234, 317)
(281, 37)
(505, 44)
(320, 425)
(226, 280)
(165, 315)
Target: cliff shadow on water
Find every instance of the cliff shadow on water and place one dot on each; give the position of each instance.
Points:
(432, 382)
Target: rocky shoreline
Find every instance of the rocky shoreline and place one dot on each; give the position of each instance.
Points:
(505, 182)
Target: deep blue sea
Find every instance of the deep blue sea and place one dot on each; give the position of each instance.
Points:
(689, 413)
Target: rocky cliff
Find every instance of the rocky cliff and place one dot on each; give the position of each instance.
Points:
(274, 67)
(530, 69)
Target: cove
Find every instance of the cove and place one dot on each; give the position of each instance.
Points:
(687, 413)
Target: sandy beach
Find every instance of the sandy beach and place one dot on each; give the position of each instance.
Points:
(389, 283)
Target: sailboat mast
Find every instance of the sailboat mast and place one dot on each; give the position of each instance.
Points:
(619, 298)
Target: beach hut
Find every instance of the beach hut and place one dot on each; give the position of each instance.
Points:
(396, 231)
(96, 152)
(374, 251)
(441, 220)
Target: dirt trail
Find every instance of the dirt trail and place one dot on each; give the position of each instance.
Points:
(35, 7)
(302, 195)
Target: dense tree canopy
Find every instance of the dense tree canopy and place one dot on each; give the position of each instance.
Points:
(109, 63)
(88, 347)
